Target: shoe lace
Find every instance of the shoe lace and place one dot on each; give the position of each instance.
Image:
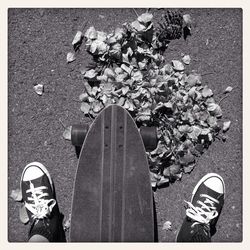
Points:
(36, 204)
(204, 213)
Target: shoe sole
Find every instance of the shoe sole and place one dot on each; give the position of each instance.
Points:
(43, 168)
(203, 179)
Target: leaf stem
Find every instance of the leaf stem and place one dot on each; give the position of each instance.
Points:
(222, 99)
(208, 73)
(135, 12)
(62, 123)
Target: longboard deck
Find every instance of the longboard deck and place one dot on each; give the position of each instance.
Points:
(112, 197)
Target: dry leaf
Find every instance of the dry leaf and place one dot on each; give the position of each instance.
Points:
(186, 59)
(226, 126)
(109, 73)
(91, 33)
(193, 79)
(163, 181)
(228, 90)
(90, 74)
(67, 223)
(38, 89)
(187, 20)
(71, 57)
(214, 109)
(138, 26)
(83, 97)
(145, 18)
(101, 36)
(97, 106)
(67, 133)
(78, 38)
(177, 65)
(23, 216)
(189, 168)
(16, 195)
(137, 76)
(85, 107)
(167, 226)
(207, 92)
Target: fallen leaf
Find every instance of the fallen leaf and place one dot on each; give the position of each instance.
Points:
(23, 216)
(163, 181)
(185, 129)
(187, 159)
(109, 73)
(138, 26)
(226, 126)
(98, 47)
(177, 65)
(174, 169)
(90, 74)
(67, 133)
(16, 195)
(85, 107)
(189, 168)
(121, 77)
(137, 76)
(77, 39)
(167, 226)
(83, 97)
(207, 92)
(126, 68)
(145, 18)
(119, 34)
(166, 172)
(195, 133)
(228, 90)
(187, 20)
(67, 223)
(193, 79)
(101, 36)
(71, 57)
(125, 90)
(214, 109)
(103, 78)
(39, 89)
(186, 59)
(91, 33)
(97, 106)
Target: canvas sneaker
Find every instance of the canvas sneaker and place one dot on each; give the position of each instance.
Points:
(203, 211)
(40, 202)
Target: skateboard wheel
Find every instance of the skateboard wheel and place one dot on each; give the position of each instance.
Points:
(149, 137)
(78, 134)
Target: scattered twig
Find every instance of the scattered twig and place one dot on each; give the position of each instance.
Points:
(83, 26)
(62, 123)
(76, 100)
(208, 73)
(222, 99)
(135, 12)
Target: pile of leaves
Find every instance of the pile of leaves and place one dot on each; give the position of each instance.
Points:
(130, 70)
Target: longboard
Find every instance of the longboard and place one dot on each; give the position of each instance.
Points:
(112, 196)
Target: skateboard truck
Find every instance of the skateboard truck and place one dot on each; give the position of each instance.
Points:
(148, 134)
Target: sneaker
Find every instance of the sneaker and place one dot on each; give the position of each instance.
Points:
(40, 203)
(203, 211)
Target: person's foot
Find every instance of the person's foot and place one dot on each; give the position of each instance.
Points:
(203, 211)
(40, 203)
